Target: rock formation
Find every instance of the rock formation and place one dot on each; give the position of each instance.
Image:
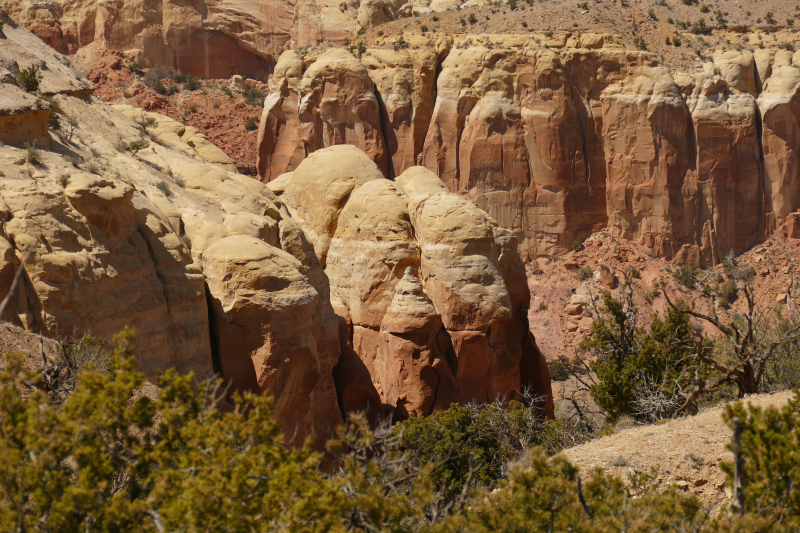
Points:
(557, 137)
(136, 219)
(205, 38)
(318, 104)
(433, 294)
(205, 263)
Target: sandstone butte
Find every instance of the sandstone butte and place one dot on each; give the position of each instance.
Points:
(559, 137)
(331, 288)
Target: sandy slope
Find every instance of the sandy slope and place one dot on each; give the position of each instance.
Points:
(687, 451)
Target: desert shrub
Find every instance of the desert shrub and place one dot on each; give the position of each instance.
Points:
(158, 73)
(32, 154)
(163, 186)
(138, 144)
(771, 464)
(63, 180)
(179, 182)
(29, 78)
(146, 121)
(584, 272)
(92, 168)
(121, 146)
(686, 276)
(783, 367)
(542, 306)
(727, 293)
(158, 86)
(110, 459)
(135, 68)
(182, 77)
(191, 83)
(225, 89)
(254, 97)
(472, 19)
(104, 461)
(472, 444)
(251, 124)
(577, 244)
(54, 122)
(558, 372)
(640, 372)
(701, 28)
(547, 495)
(400, 43)
(423, 28)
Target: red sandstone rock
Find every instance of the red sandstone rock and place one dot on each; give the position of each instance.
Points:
(331, 102)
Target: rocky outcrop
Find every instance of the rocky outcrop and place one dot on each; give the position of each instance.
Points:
(779, 105)
(24, 116)
(328, 102)
(406, 82)
(558, 137)
(204, 38)
(318, 190)
(206, 264)
(411, 367)
(431, 293)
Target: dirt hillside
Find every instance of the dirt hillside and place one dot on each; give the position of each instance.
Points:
(686, 451)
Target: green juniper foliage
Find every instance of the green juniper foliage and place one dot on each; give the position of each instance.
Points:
(630, 361)
(112, 459)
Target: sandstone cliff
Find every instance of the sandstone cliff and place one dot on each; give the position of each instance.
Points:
(133, 218)
(557, 137)
(206, 38)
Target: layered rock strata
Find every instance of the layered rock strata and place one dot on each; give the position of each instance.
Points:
(23, 116)
(557, 137)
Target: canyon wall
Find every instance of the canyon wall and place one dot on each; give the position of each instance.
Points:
(132, 218)
(207, 38)
(557, 137)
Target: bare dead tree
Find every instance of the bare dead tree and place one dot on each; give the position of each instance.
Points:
(745, 332)
(656, 400)
(13, 289)
(738, 467)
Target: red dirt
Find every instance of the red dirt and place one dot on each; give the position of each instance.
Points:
(219, 116)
